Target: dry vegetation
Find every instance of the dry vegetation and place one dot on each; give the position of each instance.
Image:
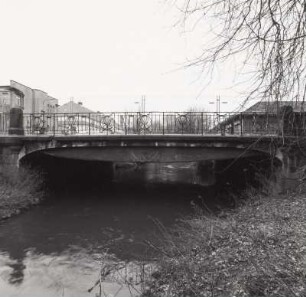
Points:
(19, 188)
(266, 39)
(258, 249)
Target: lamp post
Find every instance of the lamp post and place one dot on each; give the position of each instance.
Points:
(141, 104)
(218, 104)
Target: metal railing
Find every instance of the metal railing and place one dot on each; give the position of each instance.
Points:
(123, 123)
(158, 123)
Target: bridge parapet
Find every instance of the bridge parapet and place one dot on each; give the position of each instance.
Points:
(158, 123)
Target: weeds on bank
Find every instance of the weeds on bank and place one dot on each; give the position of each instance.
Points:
(19, 188)
(131, 276)
(256, 250)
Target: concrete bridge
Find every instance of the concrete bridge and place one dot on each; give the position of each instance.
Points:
(145, 138)
(138, 149)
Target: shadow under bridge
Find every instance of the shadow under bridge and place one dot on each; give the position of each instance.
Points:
(148, 150)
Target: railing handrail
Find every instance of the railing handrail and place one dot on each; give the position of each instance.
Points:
(158, 123)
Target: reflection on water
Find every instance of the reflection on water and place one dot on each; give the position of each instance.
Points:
(55, 247)
(71, 273)
(164, 173)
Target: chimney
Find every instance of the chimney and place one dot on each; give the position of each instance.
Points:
(80, 103)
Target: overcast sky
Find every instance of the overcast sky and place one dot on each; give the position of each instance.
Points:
(107, 54)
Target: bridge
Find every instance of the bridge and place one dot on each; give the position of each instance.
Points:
(152, 136)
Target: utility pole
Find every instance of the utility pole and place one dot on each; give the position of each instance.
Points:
(218, 104)
(143, 103)
(218, 107)
(71, 104)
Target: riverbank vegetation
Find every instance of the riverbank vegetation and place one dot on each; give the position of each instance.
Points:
(19, 189)
(258, 249)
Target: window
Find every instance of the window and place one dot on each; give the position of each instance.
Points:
(18, 101)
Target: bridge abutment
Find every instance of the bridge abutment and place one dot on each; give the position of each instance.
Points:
(293, 166)
(10, 148)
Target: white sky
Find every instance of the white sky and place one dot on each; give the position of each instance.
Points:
(107, 54)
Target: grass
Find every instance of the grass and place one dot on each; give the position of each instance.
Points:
(19, 189)
(258, 249)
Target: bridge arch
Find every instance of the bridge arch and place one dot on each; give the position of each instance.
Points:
(142, 149)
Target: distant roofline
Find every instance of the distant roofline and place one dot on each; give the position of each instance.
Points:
(40, 91)
(17, 91)
(272, 103)
(20, 83)
(76, 104)
(51, 97)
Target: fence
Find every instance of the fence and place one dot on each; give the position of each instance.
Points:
(158, 123)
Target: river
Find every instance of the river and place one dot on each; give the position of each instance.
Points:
(59, 247)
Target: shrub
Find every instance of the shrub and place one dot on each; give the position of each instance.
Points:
(255, 250)
(19, 188)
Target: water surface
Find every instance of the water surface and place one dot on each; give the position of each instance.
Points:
(57, 248)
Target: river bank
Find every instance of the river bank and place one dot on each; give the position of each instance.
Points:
(257, 249)
(19, 189)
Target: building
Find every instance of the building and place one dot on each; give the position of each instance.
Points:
(268, 118)
(10, 97)
(273, 106)
(35, 101)
(74, 118)
(72, 107)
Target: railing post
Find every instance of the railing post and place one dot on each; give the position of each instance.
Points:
(43, 130)
(78, 124)
(163, 123)
(54, 124)
(89, 123)
(115, 122)
(202, 119)
(125, 123)
(241, 123)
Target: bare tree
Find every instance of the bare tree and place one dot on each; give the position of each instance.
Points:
(269, 33)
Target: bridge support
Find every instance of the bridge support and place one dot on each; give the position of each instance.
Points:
(9, 152)
(293, 168)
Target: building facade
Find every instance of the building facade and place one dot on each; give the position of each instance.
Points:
(288, 117)
(10, 97)
(35, 101)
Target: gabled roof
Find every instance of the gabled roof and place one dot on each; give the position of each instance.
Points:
(72, 107)
(271, 107)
